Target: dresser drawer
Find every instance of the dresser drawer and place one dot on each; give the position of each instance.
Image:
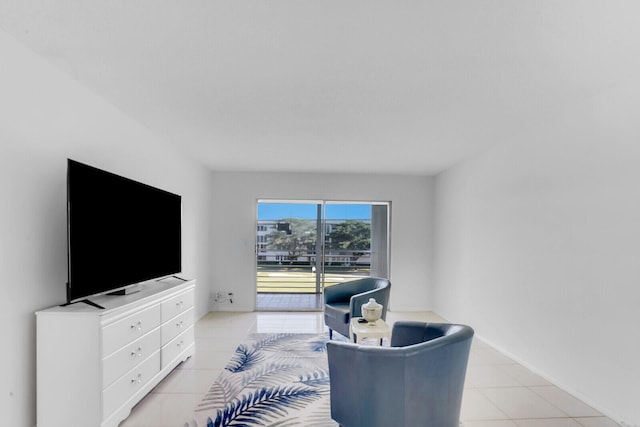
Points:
(178, 304)
(129, 357)
(126, 386)
(177, 346)
(124, 331)
(177, 325)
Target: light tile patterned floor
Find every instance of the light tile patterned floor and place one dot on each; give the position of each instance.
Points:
(498, 392)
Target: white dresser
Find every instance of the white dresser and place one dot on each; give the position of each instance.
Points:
(94, 365)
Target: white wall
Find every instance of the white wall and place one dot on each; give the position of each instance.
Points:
(234, 227)
(538, 248)
(46, 117)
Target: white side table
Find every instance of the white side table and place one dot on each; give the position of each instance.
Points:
(359, 331)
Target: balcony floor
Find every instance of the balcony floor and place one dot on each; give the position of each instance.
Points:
(288, 302)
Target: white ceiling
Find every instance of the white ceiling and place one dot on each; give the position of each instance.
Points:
(404, 86)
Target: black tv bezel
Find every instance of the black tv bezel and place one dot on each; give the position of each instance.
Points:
(72, 294)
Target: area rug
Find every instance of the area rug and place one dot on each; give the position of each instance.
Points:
(273, 380)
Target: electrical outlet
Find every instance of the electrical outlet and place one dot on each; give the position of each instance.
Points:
(223, 297)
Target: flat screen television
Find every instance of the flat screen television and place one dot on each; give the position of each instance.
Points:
(120, 232)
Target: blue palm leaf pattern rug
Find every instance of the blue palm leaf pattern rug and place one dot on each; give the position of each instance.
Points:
(273, 380)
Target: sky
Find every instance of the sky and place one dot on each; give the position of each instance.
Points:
(275, 211)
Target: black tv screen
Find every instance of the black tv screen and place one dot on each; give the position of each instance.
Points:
(120, 232)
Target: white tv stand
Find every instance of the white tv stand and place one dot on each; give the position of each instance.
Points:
(94, 365)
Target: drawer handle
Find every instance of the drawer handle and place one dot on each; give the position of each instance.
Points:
(136, 353)
(137, 326)
(137, 380)
(180, 344)
(179, 325)
(179, 304)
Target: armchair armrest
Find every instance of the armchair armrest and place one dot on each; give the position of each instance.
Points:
(406, 333)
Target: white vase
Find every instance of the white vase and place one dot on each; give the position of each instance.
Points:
(371, 311)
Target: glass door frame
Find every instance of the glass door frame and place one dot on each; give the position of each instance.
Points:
(379, 256)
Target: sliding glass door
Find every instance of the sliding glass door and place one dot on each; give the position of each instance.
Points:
(303, 246)
(288, 242)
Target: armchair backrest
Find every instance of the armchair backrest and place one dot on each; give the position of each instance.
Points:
(342, 292)
(417, 382)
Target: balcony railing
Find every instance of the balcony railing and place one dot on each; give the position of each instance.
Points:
(278, 273)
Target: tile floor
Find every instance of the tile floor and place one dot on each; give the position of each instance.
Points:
(498, 392)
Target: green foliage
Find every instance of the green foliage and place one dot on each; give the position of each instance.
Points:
(301, 241)
(350, 235)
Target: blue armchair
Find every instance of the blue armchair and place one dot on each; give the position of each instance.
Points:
(344, 301)
(418, 381)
